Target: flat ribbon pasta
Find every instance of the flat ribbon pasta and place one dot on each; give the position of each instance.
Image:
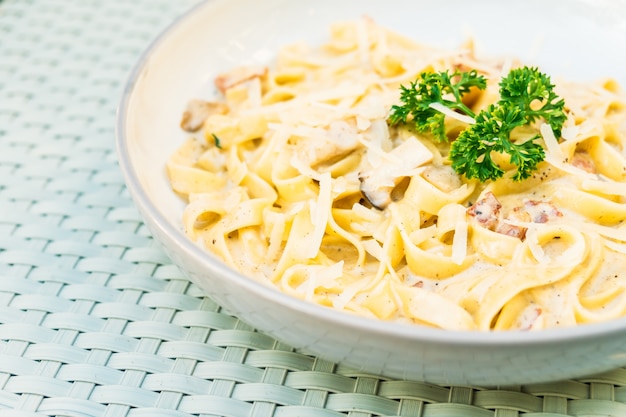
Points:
(297, 179)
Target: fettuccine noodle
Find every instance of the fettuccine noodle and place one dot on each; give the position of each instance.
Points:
(298, 181)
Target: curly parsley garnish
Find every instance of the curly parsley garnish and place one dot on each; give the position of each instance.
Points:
(442, 87)
(526, 96)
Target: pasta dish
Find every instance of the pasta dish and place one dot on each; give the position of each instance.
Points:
(297, 177)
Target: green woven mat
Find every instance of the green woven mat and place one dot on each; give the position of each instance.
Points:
(95, 320)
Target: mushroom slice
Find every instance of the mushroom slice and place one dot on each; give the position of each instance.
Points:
(443, 177)
(198, 111)
(377, 183)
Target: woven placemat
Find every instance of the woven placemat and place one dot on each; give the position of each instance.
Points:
(96, 321)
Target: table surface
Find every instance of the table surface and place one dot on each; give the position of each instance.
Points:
(94, 318)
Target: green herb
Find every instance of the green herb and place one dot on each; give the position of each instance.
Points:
(534, 93)
(526, 95)
(442, 87)
(471, 152)
(216, 139)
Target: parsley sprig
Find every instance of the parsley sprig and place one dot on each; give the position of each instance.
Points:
(441, 87)
(471, 153)
(532, 91)
(526, 96)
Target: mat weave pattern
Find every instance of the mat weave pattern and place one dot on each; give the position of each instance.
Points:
(96, 321)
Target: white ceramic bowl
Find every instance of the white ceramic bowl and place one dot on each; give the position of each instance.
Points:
(579, 39)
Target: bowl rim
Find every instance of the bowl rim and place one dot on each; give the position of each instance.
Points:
(381, 328)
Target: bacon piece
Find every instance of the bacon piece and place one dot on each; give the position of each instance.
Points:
(518, 214)
(582, 160)
(529, 318)
(532, 211)
(237, 76)
(541, 211)
(486, 211)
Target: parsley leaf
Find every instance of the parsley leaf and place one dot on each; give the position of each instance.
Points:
(441, 87)
(217, 140)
